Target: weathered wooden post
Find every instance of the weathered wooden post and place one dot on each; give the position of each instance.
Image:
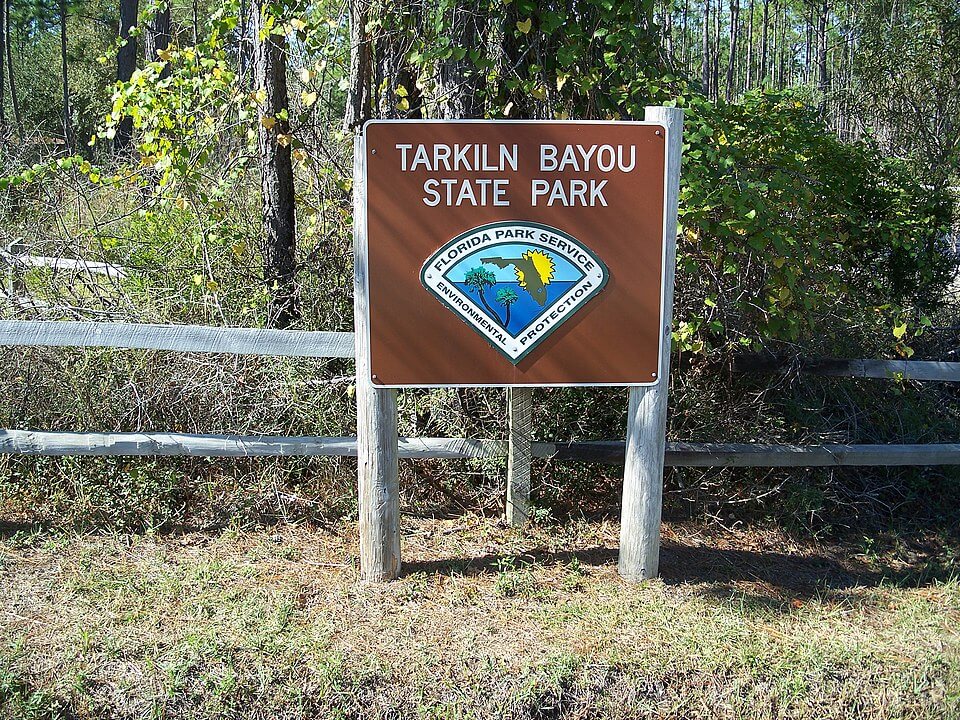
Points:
(520, 422)
(647, 411)
(15, 283)
(377, 472)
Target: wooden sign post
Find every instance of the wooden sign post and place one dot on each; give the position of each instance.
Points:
(642, 499)
(513, 254)
(520, 429)
(378, 485)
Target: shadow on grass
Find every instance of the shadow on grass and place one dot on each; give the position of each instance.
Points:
(12, 528)
(776, 574)
(772, 579)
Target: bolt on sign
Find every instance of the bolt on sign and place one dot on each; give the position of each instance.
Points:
(514, 252)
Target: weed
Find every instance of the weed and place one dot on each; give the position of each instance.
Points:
(515, 580)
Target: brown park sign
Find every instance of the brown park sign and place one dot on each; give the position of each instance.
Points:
(514, 252)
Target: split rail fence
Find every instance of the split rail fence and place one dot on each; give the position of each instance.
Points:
(644, 451)
(293, 343)
(517, 447)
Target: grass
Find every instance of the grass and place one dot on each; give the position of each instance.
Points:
(486, 622)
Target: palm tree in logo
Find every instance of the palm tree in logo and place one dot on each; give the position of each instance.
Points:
(480, 279)
(507, 297)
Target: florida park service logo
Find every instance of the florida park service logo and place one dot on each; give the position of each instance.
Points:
(514, 282)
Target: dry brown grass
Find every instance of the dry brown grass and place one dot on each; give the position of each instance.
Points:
(486, 622)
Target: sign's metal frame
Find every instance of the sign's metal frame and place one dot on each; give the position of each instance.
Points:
(663, 243)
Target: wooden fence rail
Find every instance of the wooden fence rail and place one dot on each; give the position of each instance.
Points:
(178, 338)
(924, 370)
(300, 343)
(678, 454)
(23, 262)
(29, 442)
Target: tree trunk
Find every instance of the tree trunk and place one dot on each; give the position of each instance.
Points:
(391, 71)
(276, 172)
(750, 59)
(782, 47)
(715, 80)
(67, 115)
(668, 28)
(3, 45)
(157, 37)
(734, 36)
(764, 43)
(845, 83)
(14, 97)
(824, 74)
(196, 23)
(359, 94)
(460, 81)
(126, 64)
(378, 68)
(705, 60)
(774, 43)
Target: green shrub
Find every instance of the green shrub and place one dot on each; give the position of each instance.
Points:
(789, 234)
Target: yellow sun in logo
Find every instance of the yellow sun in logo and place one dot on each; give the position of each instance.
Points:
(542, 264)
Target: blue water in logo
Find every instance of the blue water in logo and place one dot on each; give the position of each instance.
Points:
(501, 263)
(523, 312)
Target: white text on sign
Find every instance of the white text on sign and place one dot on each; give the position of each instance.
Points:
(502, 159)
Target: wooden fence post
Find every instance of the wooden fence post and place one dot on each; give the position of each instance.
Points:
(647, 411)
(377, 474)
(15, 283)
(520, 421)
